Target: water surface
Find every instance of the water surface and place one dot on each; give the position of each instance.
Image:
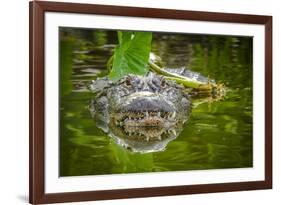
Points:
(218, 134)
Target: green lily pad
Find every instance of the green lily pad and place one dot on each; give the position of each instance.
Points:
(131, 55)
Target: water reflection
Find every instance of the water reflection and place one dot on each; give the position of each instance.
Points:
(142, 139)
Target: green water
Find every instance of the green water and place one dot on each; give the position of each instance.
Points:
(218, 134)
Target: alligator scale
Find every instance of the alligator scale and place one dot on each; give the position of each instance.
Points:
(142, 113)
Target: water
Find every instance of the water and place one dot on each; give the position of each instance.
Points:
(218, 134)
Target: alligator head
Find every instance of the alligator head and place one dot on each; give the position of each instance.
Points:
(141, 113)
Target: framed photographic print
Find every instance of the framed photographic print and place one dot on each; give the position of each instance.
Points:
(139, 102)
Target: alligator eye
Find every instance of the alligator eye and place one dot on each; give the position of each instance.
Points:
(163, 83)
(128, 82)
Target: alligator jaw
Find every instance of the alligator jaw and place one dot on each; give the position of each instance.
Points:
(145, 119)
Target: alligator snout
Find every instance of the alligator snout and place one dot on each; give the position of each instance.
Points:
(148, 103)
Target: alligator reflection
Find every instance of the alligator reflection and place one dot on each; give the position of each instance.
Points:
(142, 138)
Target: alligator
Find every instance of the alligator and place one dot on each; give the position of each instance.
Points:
(143, 113)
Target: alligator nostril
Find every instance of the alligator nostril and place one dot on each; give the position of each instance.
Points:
(146, 87)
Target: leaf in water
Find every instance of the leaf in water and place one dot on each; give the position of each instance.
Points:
(131, 55)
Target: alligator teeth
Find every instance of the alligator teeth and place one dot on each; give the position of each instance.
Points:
(158, 114)
(172, 116)
(174, 132)
(146, 113)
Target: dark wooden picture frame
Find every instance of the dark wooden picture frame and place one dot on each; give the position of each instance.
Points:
(37, 97)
